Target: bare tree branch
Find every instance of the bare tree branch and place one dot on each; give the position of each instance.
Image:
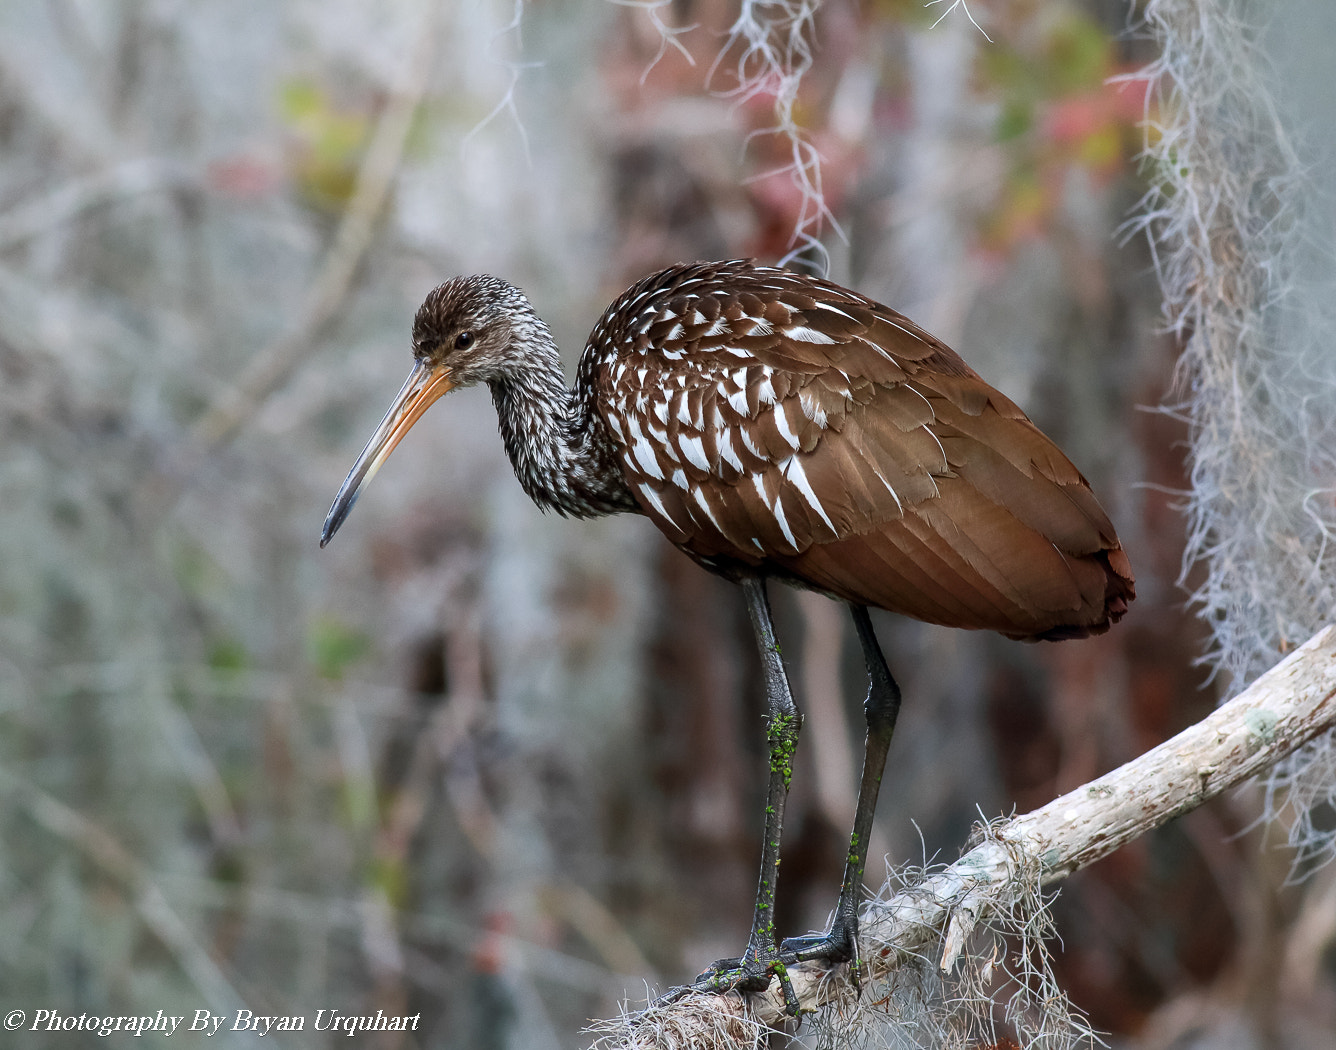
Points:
(327, 295)
(272, 366)
(1285, 708)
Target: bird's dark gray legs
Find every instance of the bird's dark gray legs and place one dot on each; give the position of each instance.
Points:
(783, 722)
(761, 961)
(881, 709)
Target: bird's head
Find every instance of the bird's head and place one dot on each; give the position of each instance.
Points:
(474, 328)
(468, 330)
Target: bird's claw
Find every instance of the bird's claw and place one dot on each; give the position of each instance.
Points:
(750, 974)
(840, 945)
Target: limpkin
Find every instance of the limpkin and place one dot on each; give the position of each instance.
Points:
(778, 426)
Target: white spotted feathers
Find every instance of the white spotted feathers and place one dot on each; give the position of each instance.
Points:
(730, 388)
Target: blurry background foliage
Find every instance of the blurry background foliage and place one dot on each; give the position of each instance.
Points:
(472, 762)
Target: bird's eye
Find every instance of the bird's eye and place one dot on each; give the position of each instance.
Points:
(463, 340)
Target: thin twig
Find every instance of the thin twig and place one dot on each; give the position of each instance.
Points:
(107, 852)
(69, 200)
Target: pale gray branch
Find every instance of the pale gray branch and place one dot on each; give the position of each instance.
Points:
(1285, 708)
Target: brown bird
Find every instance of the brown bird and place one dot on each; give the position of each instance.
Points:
(779, 426)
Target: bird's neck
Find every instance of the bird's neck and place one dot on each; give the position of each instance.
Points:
(557, 443)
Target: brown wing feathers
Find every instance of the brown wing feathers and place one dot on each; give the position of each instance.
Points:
(767, 420)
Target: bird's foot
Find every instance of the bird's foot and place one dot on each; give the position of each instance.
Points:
(840, 945)
(751, 973)
(754, 971)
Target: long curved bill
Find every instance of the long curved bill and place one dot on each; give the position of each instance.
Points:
(425, 384)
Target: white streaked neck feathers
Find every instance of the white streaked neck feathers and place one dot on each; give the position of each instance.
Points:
(554, 440)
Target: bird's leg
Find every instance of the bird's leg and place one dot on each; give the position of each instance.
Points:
(761, 961)
(783, 722)
(881, 708)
